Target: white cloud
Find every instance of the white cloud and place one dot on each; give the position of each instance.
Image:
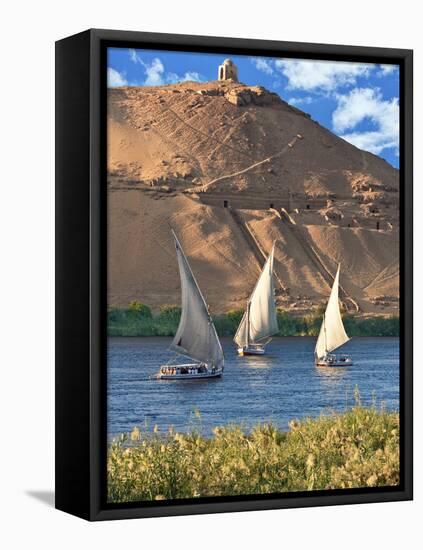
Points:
(320, 75)
(387, 69)
(373, 141)
(154, 73)
(262, 65)
(368, 104)
(135, 58)
(172, 78)
(306, 100)
(192, 76)
(115, 78)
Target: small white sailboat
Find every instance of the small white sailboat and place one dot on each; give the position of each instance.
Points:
(332, 333)
(259, 322)
(196, 337)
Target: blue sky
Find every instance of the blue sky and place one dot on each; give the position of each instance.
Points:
(359, 102)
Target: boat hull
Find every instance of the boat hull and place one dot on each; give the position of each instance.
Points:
(200, 376)
(188, 372)
(251, 351)
(334, 362)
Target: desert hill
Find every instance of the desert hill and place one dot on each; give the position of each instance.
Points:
(231, 168)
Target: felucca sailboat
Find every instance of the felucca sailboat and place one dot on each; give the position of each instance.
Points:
(332, 333)
(259, 322)
(196, 337)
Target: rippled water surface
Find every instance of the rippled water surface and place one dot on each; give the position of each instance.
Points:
(277, 387)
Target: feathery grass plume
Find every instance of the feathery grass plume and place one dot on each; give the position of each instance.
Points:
(359, 448)
(135, 434)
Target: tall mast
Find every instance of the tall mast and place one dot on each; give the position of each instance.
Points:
(248, 323)
(324, 328)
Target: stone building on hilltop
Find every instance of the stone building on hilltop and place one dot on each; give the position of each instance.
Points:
(228, 71)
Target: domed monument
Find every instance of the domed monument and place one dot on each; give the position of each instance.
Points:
(228, 71)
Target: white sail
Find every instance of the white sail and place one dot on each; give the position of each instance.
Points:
(196, 336)
(241, 335)
(259, 321)
(332, 333)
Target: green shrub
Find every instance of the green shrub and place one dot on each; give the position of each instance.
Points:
(138, 320)
(373, 326)
(235, 315)
(116, 316)
(139, 310)
(170, 313)
(291, 326)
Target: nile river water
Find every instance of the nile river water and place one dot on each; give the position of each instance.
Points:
(277, 387)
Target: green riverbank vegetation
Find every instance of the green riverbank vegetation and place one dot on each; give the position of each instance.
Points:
(138, 320)
(358, 448)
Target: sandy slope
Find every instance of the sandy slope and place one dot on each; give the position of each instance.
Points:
(176, 152)
(142, 261)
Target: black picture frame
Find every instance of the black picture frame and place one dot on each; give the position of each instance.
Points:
(81, 231)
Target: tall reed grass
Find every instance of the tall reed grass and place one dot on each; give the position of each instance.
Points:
(359, 448)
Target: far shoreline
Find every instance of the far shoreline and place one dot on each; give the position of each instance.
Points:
(139, 321)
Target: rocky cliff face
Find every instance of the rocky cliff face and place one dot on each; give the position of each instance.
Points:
(232, 168)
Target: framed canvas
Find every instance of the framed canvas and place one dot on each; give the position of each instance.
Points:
(233, 274)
